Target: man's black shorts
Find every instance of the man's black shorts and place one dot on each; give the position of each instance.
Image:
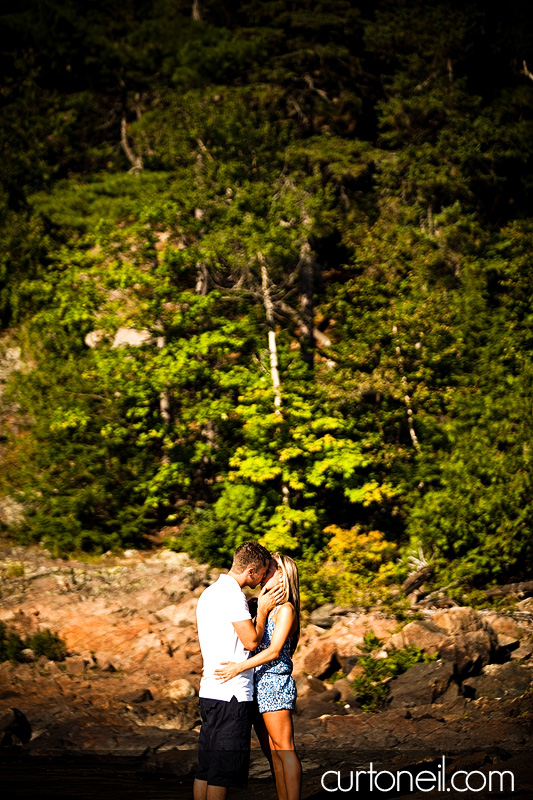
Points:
(224, 742)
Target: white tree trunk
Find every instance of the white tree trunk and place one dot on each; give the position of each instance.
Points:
(135, 160)
(307, 283)
(196, 12)
(164, 403)
(273, 351)
(202, 278)
(272, 346)
(406, 397)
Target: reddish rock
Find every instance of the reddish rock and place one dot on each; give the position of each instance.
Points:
(316, 685)
(302, 684)
(113, 609)
(181, 614)
(523, 652)
(22, 622)
(179, 689)
(450, 696)
(309, 634)
(192, 648)
(485, 736)
(367, 732)
(458, 620)
(306, 684)
(469, 652)
(507, 643)
(423, 633)
(361, 624)
(75, 665)
(103, 633)
(348, 644)
(28, 654)
(344, 687)
(176, 716)
(136, 696)
(504, 625)
(355, 672)
(321, 659)
(194, 663)
(337, 726)
(14, 728)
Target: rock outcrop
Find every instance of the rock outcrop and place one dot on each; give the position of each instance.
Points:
(129, 683)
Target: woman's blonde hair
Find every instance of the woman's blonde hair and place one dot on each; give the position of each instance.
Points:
(291, 586)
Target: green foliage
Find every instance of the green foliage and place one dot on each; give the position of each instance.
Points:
(371, 688)
(46, 643)
(14, 571)
(377, 162)
(43, 643)
(315, 589)
(11, 645)
(355, 568)
(337, 676)
(239, 514)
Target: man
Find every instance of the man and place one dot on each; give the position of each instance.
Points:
(227, 633)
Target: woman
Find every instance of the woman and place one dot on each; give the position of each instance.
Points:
(274, 687)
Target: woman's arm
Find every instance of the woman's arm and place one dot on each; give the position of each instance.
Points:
(282, 628)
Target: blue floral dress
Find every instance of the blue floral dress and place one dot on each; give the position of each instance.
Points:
(274, 686)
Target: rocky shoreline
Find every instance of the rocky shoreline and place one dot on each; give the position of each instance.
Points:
(128, 687)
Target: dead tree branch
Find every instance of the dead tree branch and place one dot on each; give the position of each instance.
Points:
(135, 160)
(525, 70)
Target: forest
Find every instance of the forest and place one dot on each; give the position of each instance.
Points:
(266, 273)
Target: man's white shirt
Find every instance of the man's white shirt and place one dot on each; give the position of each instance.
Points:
(222, 604)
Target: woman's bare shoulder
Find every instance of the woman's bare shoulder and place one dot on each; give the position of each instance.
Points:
(287, 609)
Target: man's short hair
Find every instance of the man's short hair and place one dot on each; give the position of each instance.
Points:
(250, 554)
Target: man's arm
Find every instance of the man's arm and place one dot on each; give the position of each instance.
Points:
(249, 634)
(282, 629)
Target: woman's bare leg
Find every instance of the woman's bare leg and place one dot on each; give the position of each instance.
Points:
(279, 776)
(286, 764)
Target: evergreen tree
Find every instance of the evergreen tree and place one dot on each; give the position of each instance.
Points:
(269, 270)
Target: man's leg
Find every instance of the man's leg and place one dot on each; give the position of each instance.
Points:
(223, 747)
(204, 744)
(203, 791)
(216, 792)
(199, 789)
(262, 735)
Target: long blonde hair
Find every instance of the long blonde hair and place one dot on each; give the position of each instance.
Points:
(291, 590)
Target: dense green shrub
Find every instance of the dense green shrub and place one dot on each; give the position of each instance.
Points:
(43, 643)
(11, 645)
(49, 644)
(371, 688)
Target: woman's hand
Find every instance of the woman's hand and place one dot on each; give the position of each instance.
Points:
(227, 671)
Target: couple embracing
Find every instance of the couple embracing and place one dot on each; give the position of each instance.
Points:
(247, 673)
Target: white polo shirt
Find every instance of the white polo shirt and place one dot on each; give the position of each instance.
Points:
(219, 606)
